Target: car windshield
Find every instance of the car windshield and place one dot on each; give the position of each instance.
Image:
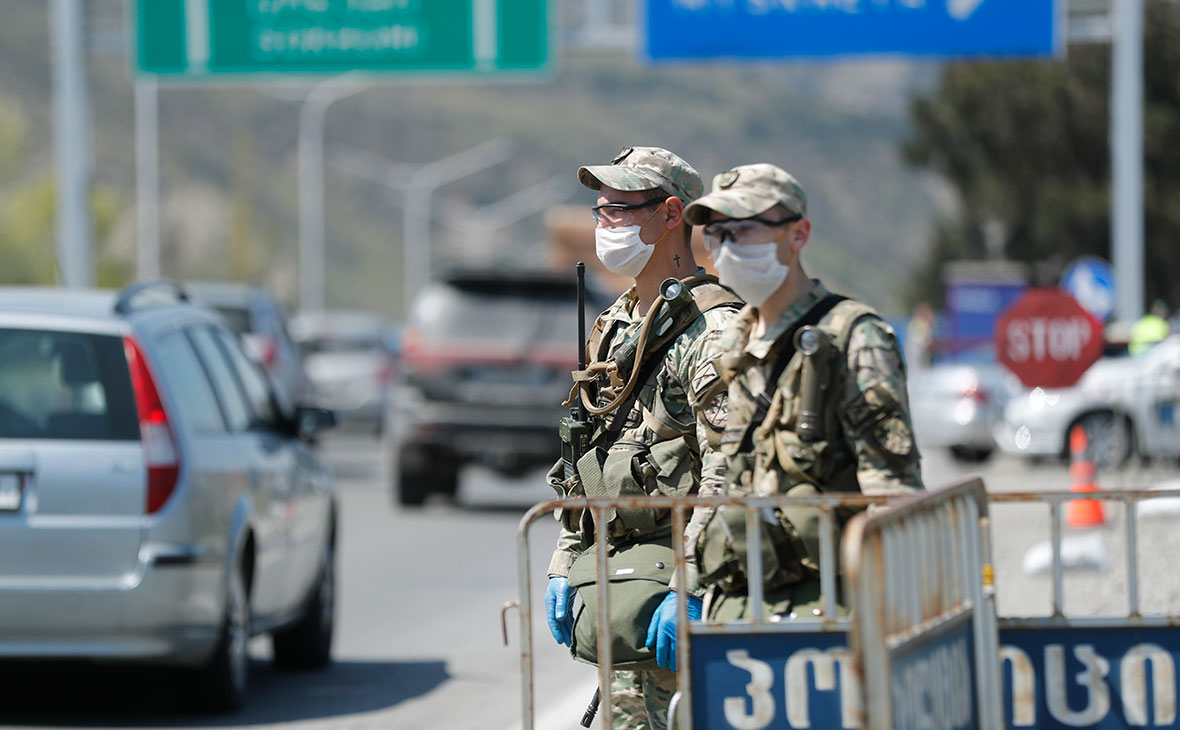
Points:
(500, 311)
(237, 318)
(64, 385)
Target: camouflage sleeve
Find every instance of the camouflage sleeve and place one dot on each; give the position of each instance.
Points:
(708, 400)
(567, 551)
(876, 412)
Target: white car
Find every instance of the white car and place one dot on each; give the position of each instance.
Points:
(956, 405)
(1127, 404)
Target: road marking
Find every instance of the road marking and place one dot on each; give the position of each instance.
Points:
(1161, 506)
(962, 9)
(566, 711)
(1078, 552)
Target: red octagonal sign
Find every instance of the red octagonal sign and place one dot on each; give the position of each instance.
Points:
(1047, 340)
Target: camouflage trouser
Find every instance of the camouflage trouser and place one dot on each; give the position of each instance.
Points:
(639, 700)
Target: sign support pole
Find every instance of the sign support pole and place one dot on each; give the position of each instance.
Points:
(71, 143)
(147, 179)
(1126, 145)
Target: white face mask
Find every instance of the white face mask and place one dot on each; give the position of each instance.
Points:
(752, 270)
(621, 250)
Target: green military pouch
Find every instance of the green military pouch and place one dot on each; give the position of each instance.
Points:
(638, 575)
(722, 555)
(570, 519)
(673, 463)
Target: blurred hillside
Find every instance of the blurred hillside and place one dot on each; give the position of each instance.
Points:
(228, 172)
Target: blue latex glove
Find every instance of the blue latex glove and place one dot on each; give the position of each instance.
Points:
(559, 604)
(661, 632)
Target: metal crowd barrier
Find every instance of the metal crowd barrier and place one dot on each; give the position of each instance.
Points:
(920, 582)
(928, 590)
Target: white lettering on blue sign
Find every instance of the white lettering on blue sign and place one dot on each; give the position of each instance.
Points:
(758, 689)
(935, 692)
(1093, 679)
(957, 9)
(824, 663)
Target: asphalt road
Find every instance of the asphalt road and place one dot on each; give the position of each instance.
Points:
(419, 638)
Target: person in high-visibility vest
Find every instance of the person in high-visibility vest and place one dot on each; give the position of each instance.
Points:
(1150, 329)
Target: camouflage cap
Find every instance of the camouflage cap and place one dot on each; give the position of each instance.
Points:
(645, 168)
(748, 190)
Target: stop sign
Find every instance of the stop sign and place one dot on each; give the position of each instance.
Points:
(1047, 340)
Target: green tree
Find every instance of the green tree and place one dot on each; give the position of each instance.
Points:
(27, 249)
(1025, 145)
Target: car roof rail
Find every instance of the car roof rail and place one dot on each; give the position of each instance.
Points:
(157, 288)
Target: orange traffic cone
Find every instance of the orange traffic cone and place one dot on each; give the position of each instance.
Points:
(1082, 512)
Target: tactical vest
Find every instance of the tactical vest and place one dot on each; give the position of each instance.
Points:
(766, 455)
(666, 462)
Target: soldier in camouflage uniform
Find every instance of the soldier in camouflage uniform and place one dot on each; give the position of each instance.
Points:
(640, 232)
(817, 393)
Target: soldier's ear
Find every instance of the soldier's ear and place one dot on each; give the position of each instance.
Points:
(799, 235)
(674, 212)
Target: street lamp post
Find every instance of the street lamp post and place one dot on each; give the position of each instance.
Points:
(516, 206)
(312, 257)
(417, 185)
(419, 192)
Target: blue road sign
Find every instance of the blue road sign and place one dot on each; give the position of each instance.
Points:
(1115, 678)
(933, 680)
(764, 29)
(1091, 281)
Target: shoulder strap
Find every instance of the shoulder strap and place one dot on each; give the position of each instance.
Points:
(784, 347)
(707, 295)
(844, 319)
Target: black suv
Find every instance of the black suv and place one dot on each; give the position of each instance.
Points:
(486, 361)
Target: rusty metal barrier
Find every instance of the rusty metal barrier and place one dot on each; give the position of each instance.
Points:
(924, 636)
(947, 591)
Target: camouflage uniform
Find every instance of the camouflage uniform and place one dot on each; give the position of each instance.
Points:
(689, 367)
(866, 439)
(640, 698)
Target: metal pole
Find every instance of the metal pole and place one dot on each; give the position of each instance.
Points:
(417, 268)
(147, 179)
(312, 256)
(484, 222)
(1126, 145)
(311, 203)
(70, 131)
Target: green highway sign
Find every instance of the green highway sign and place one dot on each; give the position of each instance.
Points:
(203, 38)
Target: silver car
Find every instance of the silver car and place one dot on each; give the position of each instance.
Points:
(347, 357)
(257, 316)
(1127, 404)
(155, 505)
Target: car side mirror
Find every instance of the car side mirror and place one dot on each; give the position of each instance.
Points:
(310, 421)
